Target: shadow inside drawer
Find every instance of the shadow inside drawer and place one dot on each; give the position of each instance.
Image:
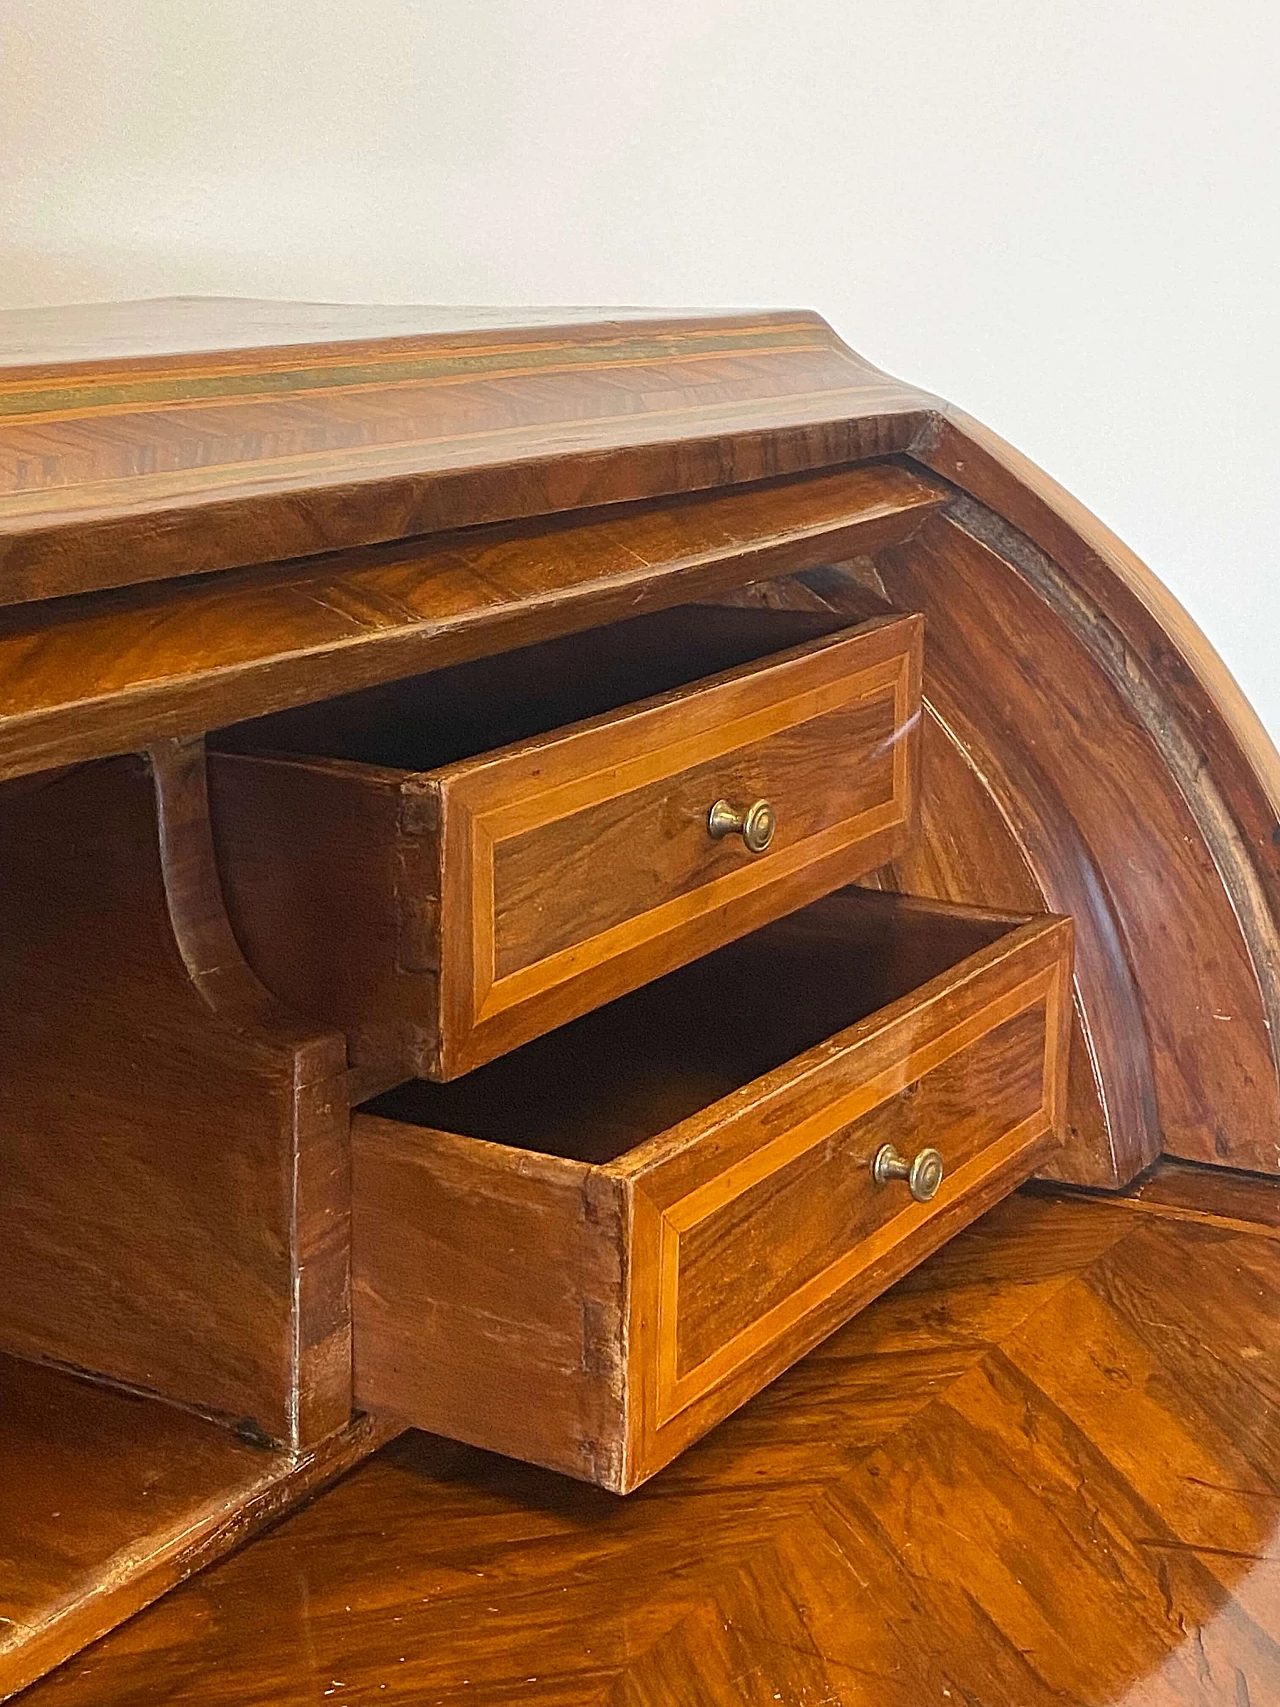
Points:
(448, 715)
(605, 1083)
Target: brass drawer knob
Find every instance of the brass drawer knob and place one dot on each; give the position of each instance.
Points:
(756, 825)
(923, 1175)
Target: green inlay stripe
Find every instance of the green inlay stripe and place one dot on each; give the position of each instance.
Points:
(194, 388)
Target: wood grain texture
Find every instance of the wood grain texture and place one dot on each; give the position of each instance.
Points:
(1021, 798)
(757, 1229)
(968, 847)
(173, 1201)
(611, 819)
(1212, 763)
(172, 460)
(1040, 1470)
(445, 916)
(1057, 799)
(596, 1313)
(490, 1292)
(110, 1499)
(108, 673)
(1151, 677)
(1196, 1191)
(511, 485)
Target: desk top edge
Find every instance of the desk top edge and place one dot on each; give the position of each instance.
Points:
(92, 335)
(142, 441)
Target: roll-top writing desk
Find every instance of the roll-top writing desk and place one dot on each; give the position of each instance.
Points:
(547, 860)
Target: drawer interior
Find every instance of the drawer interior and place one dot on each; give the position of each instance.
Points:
(603, 1084)
(424, 722)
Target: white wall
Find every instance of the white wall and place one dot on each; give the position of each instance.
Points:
(1060, 213)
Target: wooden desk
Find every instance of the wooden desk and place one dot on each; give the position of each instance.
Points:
(490, 717)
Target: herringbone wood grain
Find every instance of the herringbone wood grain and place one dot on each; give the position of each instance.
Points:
(1044, 1469)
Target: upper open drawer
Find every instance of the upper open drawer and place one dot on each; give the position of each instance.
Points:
(454, 864)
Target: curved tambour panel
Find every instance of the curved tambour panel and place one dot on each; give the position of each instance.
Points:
(1086, 740)
(1113, 692)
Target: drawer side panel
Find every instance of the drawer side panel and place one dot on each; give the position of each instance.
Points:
(487, 1296)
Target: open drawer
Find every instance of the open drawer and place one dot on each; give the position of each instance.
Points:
(450, 865)
(589, 1252)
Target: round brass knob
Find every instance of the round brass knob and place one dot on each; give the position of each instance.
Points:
(756, 825)
(923, 1175)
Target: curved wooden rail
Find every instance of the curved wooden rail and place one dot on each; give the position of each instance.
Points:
(1062, 645)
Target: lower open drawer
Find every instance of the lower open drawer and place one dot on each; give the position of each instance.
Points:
(588, 1252)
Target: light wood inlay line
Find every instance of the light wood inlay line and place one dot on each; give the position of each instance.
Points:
(212, 384)
(719, 739)
(422, 453)
(675, 1392)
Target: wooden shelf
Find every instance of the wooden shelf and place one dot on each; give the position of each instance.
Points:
(110, 1499)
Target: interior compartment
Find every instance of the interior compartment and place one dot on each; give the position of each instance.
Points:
(605, 1083)
(427, 721)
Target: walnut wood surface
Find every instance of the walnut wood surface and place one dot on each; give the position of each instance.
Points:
(105, 674)
(158, 455)
(1041, 1470)
(1093, 602)
(173, 1189)
(1021, 806)
(1149, 677)
(110, 1499)
(1210, 749)
(489, 1295)
(489, 899)
(598, 1307)
(1083, 748)
(1143, 919)
(1211, 1195)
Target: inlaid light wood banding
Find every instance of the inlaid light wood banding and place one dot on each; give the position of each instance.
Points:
(1017, 1076)
(209, 382)
(827, 732)
(172, 438)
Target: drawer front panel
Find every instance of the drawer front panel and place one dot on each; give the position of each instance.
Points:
(579, 867)
(834, 769)
(752, 1244)
(744, 1268)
